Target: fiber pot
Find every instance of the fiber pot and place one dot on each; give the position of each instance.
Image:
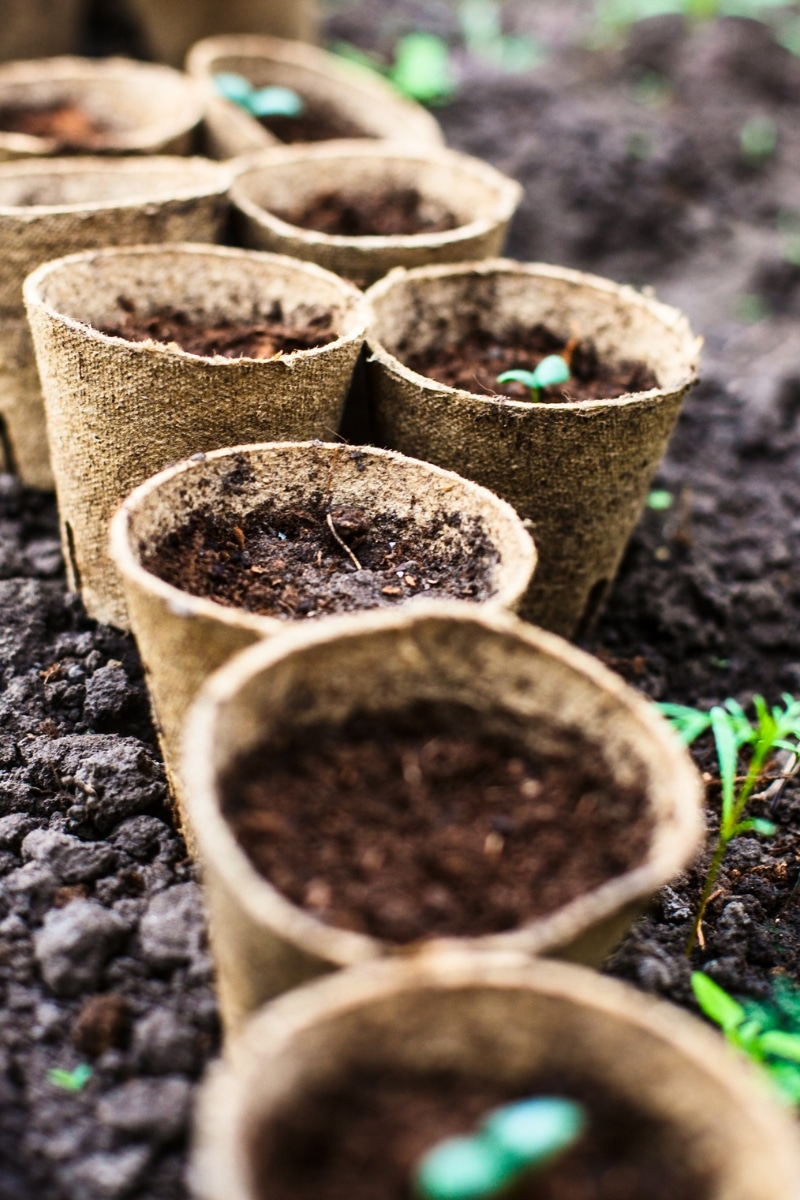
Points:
(36, 27)
(51, 207)
(184, 638)
(580, 471)
(118, 411)
(360, 100)
(170, 29)
(480, 199)
(502, 1023)
(142, 108)
(517, 679)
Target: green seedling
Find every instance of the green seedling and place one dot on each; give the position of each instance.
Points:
(71, 1081)
(660, 500)
(259, 102)
(510, 1142)
(422, 68)
(551, 370)
(482, 31)
(768, 1033)
(776, 728)
(758, 140)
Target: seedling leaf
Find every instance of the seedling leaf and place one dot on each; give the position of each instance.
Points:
(727, 754)
(782, 1045)
(716, 1003)
(422, 68)
(71, 1081)
(755, 825)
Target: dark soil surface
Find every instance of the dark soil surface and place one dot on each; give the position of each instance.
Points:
(361, 1136)
(212, 335)
(418, 825)
(391, 214)
(314, 124)
(632, 159)
(66, 124)
(316, 561)
(474, 363)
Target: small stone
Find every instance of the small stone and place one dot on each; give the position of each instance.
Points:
(106, 1176)
(163, 1044)
(107, 693)
(69, 859)
(147, 1108)
(74, 945)
(13, 829)
(103, 1024)
(172, 931)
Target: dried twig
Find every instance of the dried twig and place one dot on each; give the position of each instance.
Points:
(345, 547)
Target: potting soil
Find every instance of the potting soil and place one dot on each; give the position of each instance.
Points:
(321, 559)
(416, 824)
(399, 212)
(67, 124)
(632, 156)
(315, 124)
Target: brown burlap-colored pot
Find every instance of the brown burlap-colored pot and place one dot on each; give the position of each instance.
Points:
(170, 29)
(145, 109)
(520, 681)
(495, 1020)
(481, 200)
(118, 411)
(51, 207)
(358, 97)
(183, 638)
(33, 28)
(579, 472)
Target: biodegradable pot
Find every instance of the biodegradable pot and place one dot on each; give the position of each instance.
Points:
(355, 94)
(183, 638)
(51, 207)
(170, 29)
(482, 200)
(148, 109)
(496, 1018)
(579, 472)
(518, 679)
(118, 411)
(31, 28)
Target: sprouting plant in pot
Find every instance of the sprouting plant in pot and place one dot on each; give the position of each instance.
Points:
(259, 102)
(768, 1032)
(550, 371)
(510, 1142)
(774, 729)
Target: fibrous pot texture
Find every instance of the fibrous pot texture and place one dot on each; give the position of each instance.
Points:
(170, 29)
(355, 95)
(118, 411)
(31, 28)
(481, 200)
(493, 1020)
(142, 108)
(50, 208)
(184, 638)
(516, 679)
(578, 471)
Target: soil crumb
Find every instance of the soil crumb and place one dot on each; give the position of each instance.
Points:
(400, 212)
(474, 363)
(318, 560)
(419, 824)
(67, 124)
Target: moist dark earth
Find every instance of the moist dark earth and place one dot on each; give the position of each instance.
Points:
(633, 161)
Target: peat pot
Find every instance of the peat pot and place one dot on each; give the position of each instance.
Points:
(120, 410)
(170, 29)
(488, 673)
(183, 638)
(578, 471)
(52, 207)
(31, 28)
(496, 1027)
(100, 106)
(344, 99)
(466, 204)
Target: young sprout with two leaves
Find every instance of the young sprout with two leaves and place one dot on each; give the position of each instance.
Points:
(768, 1033)
(510, 1142)
(776, 728)
(551, 370)
(259, 102)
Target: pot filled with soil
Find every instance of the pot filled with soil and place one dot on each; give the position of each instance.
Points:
(219, 553)
(49, 208)
(361, 208)
(32, 28)
(574, 447)
(151, 354)
(337, 99)
(96, 106)
(386, 785)
(170, 29)
(346, 1087)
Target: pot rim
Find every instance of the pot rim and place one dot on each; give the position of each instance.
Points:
(671, 317)
(355, 318)
(508, 192)
(673, 843)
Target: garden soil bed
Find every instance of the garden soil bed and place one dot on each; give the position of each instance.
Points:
(97, 898)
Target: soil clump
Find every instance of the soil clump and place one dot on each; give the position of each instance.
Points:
(384, 214)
